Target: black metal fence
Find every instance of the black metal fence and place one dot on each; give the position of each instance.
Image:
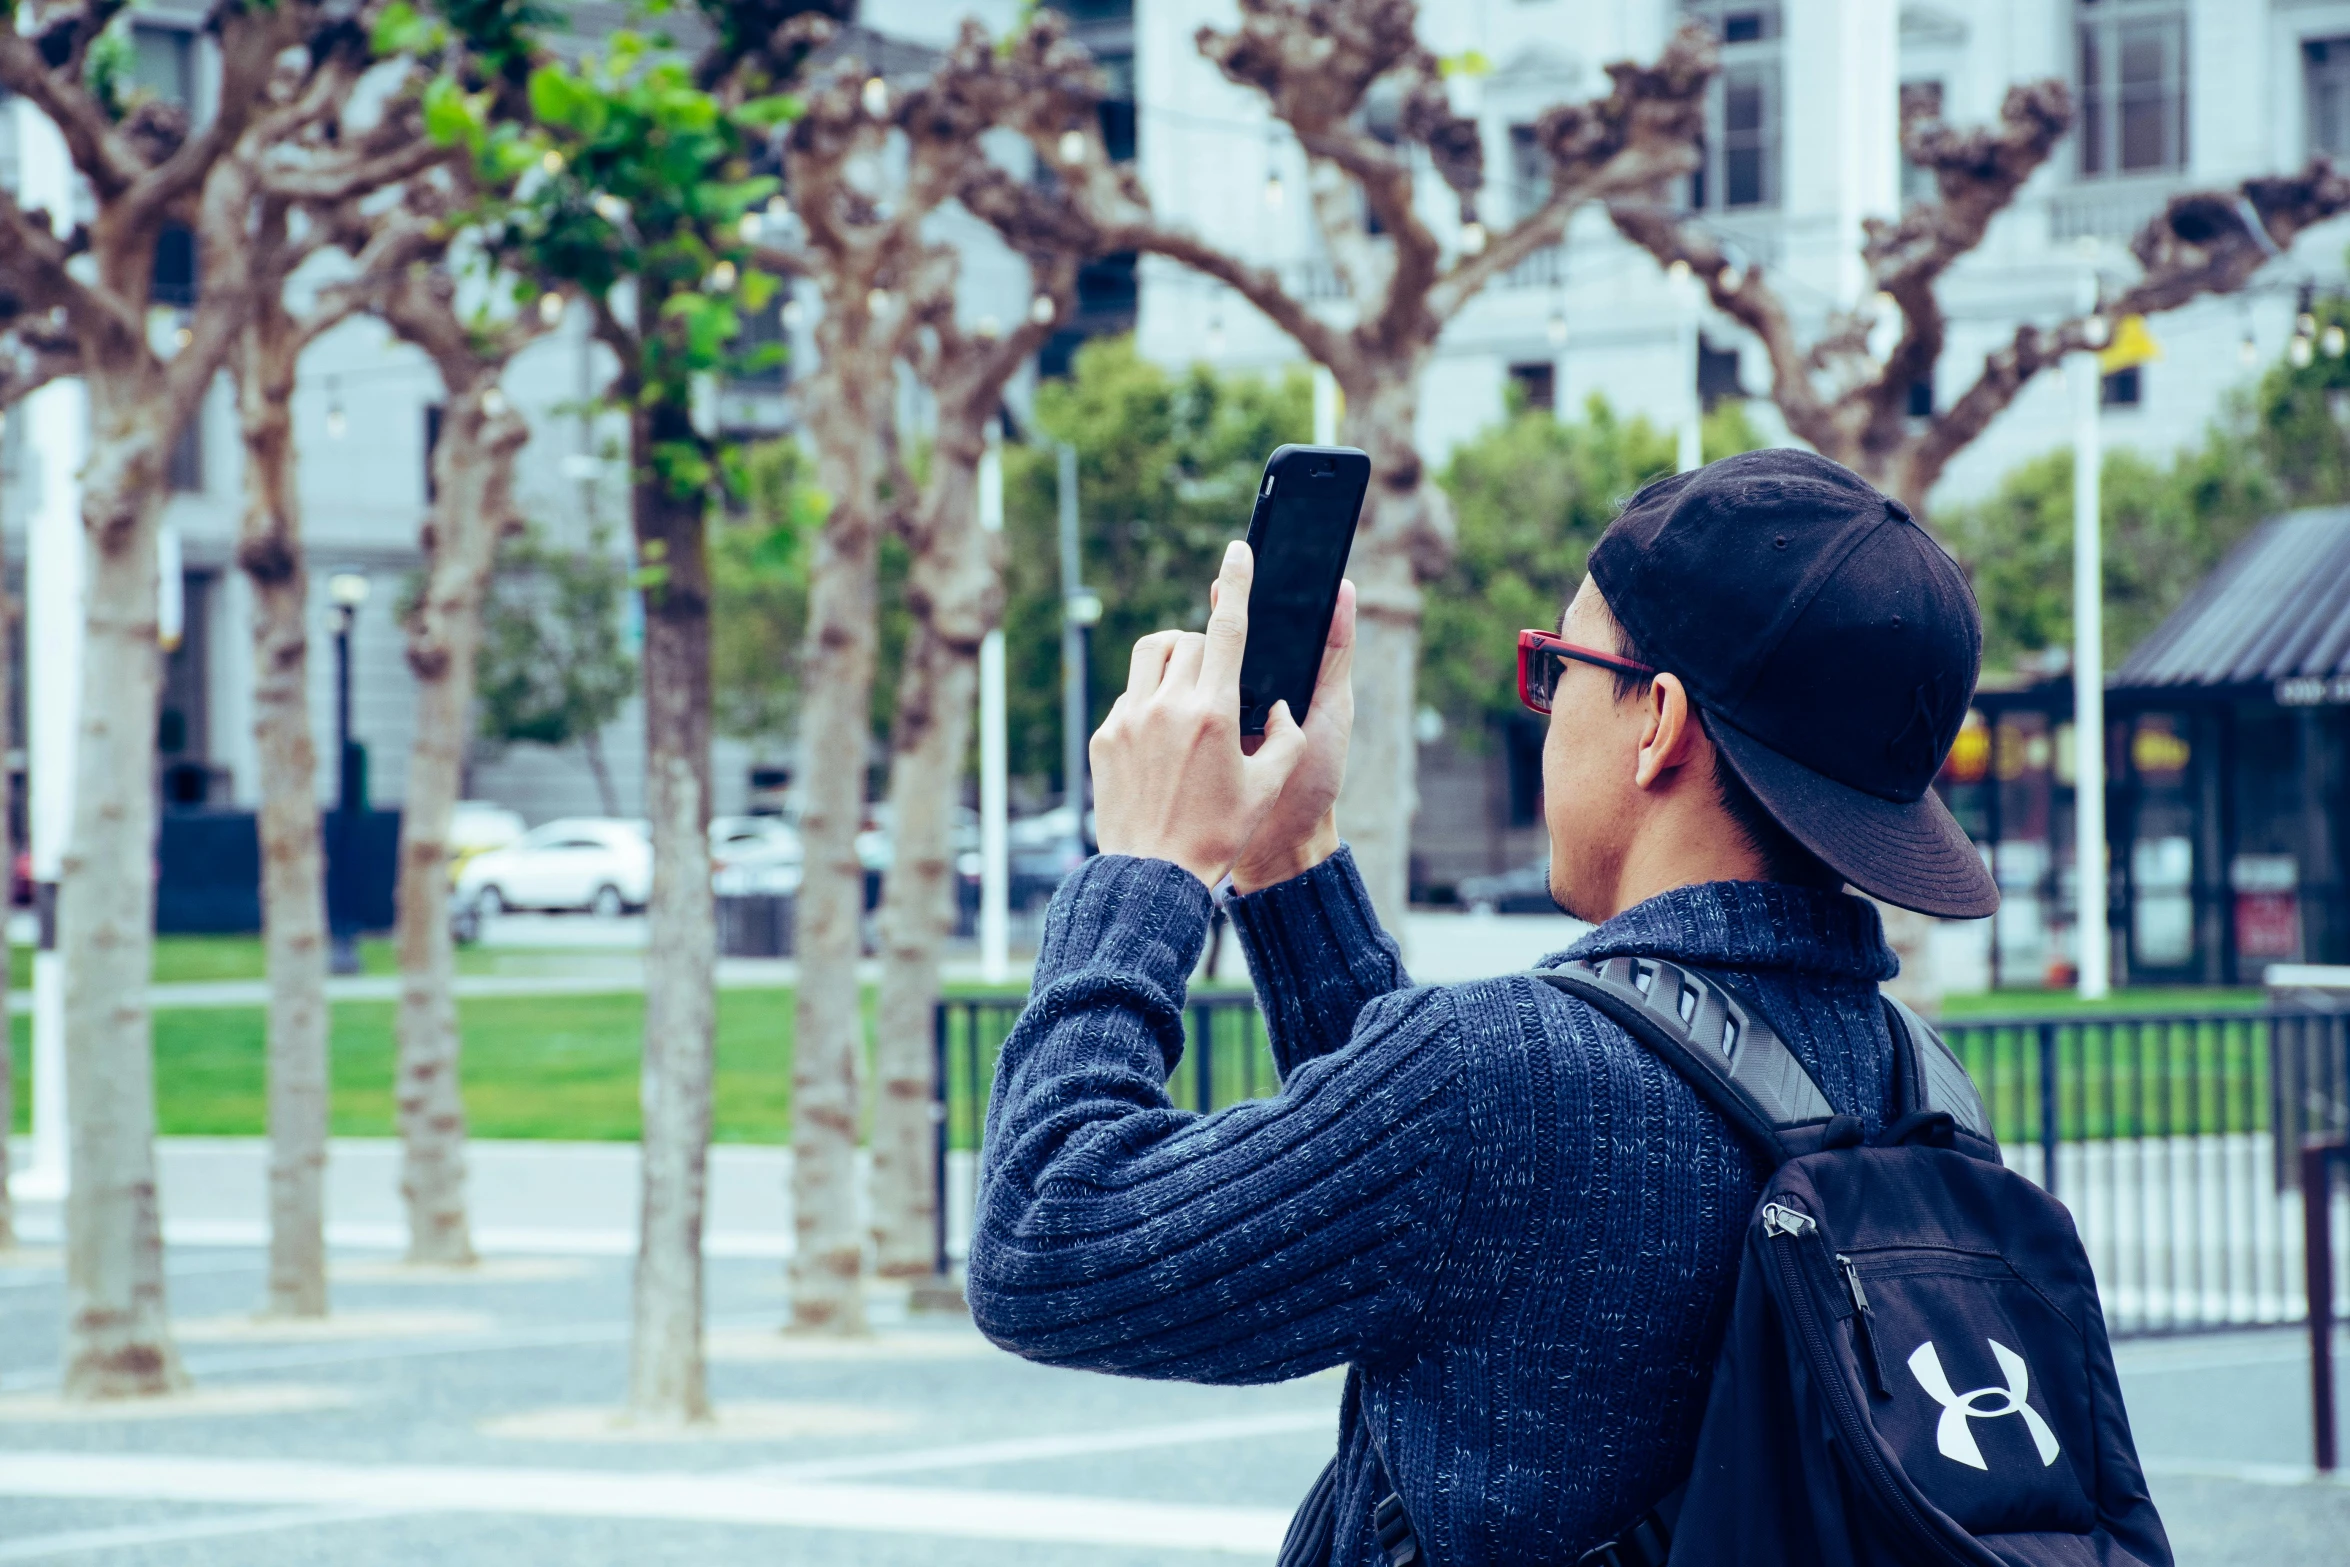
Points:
(2175, 1140)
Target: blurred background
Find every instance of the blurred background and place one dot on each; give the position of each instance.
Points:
(523, 1155)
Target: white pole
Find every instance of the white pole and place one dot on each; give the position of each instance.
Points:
(2094, 943)
(995, 871)
(57, 426)
(1325, 407)
(1691, 453)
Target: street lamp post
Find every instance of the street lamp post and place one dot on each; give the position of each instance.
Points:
(345, 591)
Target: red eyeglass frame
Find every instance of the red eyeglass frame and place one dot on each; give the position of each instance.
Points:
(1539, 644)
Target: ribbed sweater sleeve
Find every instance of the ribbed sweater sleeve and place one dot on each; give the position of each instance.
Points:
(1318, 955)
(1263, 1241)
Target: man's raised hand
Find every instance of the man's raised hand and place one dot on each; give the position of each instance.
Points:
(1170, 779)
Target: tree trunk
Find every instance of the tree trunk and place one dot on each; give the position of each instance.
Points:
(666, 1377)
(1404, 539)
(293, 899)
(592, 747)
(956, 596)
(847, 405)
(118, 1335)
(474, 478)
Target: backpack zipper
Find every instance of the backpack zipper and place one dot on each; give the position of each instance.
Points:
(1793, 1223)
(1864, 1332)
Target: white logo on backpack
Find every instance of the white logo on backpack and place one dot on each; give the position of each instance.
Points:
(1952, 1435)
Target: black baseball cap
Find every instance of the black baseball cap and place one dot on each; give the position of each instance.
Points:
(1832, 646)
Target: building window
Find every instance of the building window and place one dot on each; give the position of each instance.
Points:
(1742, 108)
(2133, 80)
(183, 470)
(163, 62)
(2326, 75)
(1717, 375)
(1921, 103)
(2122, 389)
(173, 281)
(1529, 173)
(1535, 386)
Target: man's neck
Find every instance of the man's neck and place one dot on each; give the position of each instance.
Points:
(1684, 850)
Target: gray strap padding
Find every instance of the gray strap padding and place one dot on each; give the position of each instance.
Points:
(1942, 1082)
(1706, 1026)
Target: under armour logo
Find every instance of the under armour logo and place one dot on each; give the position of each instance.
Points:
(1952, 1435)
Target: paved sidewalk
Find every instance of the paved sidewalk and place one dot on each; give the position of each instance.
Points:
(468, 1423)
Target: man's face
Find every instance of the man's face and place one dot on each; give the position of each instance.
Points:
(1589, 796)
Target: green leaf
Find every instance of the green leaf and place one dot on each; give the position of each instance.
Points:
(766, 113)
(448, 114)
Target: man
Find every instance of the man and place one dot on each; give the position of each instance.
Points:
(1516, 1225)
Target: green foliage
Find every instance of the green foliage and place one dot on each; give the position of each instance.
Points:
(1167, 466)
(110, 70)
(643, 177)
(2299, 420)
(2166, 525)
(759, 592)
(555, 667)
(1530, 496)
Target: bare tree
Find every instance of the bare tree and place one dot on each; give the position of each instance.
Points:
(1318, 64)
(954, 594)
(473, 511)
(1851, 403)
(863, 250)
(306, 171)
(145, 168)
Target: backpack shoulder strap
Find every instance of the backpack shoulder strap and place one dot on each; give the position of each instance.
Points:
(1722, 1046)
(1929, 1075)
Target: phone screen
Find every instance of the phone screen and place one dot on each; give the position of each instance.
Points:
(1302, 530)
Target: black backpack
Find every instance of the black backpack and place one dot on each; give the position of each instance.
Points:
(1916, 1369)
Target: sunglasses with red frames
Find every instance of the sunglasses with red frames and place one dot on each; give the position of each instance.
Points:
(1543, 657)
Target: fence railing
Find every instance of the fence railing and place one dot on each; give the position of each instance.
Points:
(2175, 1140)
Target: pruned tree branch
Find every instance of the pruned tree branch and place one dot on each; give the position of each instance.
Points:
(1853, 405)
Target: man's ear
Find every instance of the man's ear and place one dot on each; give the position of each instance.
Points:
(1670, 735)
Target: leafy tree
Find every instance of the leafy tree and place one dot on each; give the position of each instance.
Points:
(1167, 467)
(1530, 496)
(555, 666)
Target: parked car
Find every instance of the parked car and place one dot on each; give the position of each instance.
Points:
(597, 863)
(476, 827)
(755, 855)
(1525, 890)
(1043, 850)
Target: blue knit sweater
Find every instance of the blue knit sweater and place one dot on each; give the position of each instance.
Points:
(1515, 1225)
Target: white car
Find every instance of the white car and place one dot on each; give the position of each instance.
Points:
(754, 854)
(595, 863)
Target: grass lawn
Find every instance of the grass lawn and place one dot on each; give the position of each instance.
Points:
(2122, 1003)
(534, 1066)
(567, 1066)
(191, 959)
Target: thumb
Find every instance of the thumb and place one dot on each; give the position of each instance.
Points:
(1278, 754)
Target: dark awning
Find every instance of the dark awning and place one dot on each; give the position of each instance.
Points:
(2275, 613)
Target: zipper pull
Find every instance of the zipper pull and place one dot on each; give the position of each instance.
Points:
(1779, 1219)
(1852, 1285)
(1864, 1335)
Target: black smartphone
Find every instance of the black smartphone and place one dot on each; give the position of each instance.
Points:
(1300, 533)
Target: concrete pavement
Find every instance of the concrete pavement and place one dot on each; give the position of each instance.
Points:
(921, 1447)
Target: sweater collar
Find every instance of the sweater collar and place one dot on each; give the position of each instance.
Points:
(1751, 925)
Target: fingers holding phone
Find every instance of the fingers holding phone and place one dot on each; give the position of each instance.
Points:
(1170, 779)
(1300, 831)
